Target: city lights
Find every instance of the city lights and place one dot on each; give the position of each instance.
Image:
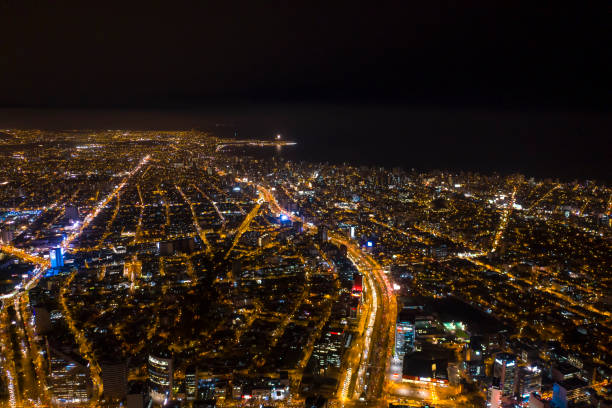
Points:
(189, 271)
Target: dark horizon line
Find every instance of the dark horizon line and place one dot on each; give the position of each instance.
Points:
(447, 104)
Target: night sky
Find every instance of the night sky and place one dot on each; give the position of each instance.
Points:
(529, 57)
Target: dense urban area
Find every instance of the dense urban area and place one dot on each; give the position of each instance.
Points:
(170, 268)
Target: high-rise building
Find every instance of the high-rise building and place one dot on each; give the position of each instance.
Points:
(70, 383)
(236, 267)
(536, 401)
(327, 352)
(56, 256)
(504, 373)
(494, 394)
(322, 235)
(136, 395)
(355, 307)
(474, 356)
(475, 350)
(160, 367)
(42, 320)
(166, 248)
(529, 380)
(191, 383)
(357, 285)
(114, 379)
(404, 332)
(135, 401)
(6, 236)
(211, 391)
(264, 240)
(72, 212)
(571, 391)
(559, 399)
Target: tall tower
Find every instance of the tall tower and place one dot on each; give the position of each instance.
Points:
(160, 367)
(504, 372)
(191, 383)
(114, 379)
(56, 256)
(404, 332)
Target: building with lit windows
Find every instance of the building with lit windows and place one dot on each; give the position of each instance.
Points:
(191, 383)
(56, 256)
(494, 397)
(357, 288)
(529, 380)
(568, 392)
(328, 350)
(69, 379)
(404, 332)
(160, 367)
(6, 236)
(504, 373)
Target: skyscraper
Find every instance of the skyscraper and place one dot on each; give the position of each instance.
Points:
(191, 383)
(56, 256)
(69, 379)
(494, 397)
(114, 379)
(504, 372)
(42, 320)
(559, 399)
(529, 380)
(6, 236)
(404, 332)
(160, 366)
(72, 212)
(322, 235)
(327, 352)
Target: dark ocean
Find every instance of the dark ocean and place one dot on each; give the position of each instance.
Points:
(541, 144)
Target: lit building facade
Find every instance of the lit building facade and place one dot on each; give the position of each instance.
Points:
(529, 381)
(56, 256)
(69, 380)
(404, 332)
(191, 383)
(132, 270)
(327, 352)
(160, 368)
(504, 372)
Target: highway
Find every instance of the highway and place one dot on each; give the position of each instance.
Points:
(379, 336)
(366, 362)
(21, 363)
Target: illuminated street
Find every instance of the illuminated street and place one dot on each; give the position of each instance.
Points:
(291, 288)
(302, 205)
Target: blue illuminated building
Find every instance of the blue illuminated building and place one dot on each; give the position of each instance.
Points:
(56, 256)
